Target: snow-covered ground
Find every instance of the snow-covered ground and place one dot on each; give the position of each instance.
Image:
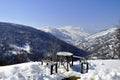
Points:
(98, 70)
(103, 70)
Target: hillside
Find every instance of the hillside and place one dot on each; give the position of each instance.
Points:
(103, 44)
(19, 43)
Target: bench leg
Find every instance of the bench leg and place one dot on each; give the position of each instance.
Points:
(46, 63)
(56, 68)
(51, 71)
(67, 63)
(72, 60)
(41, 62)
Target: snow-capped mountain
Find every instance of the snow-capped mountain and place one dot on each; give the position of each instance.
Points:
(69, 34)
(102, 33)
(103, 44)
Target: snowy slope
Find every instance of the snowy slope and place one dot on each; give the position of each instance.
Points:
(98, 70)
(102, 44)
(69, 34)
(102, 33)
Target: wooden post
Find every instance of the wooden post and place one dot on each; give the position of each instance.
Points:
(84, 67)
(72, 60)
(42, 62)
(87, 67)
(51, 72)
(67, 63)
(81, 67)
(56, 67)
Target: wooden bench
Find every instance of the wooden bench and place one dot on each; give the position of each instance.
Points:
(52, 64)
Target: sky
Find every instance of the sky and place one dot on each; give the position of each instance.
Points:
(91, 15)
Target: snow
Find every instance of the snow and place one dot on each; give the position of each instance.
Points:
(27, 71)
(102, 33)
(75, 32)
(103, 70)
(25, 48)
(98, 70)
(102, 43)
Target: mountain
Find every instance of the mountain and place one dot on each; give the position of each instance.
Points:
(19, 43)
(103, 45)
(69, 34)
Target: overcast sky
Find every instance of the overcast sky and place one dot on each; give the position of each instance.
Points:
(91, 15)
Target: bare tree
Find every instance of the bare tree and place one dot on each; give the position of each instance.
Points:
(53, 50)
(22, 56)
